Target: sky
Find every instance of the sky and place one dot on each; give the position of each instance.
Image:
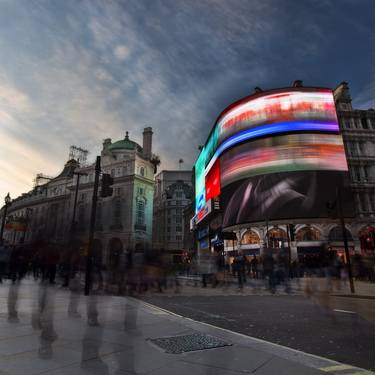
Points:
(75, 72)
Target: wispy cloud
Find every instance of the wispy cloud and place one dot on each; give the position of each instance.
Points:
(78, 72)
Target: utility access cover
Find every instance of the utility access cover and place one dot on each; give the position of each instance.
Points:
(188, 343)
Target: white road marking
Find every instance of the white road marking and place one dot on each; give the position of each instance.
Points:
(345, 311)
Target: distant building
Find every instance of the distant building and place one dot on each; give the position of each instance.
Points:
(123, 221)
(173, 192)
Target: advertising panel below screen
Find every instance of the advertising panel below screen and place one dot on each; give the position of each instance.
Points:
(279, 196)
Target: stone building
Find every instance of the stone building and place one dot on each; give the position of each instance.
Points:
(123, 221)
(173, 192)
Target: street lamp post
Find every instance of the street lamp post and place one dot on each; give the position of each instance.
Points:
(7, 201)
(73, 225)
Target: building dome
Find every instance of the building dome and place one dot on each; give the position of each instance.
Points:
(125, 144)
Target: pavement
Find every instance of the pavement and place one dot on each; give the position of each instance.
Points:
(48, 330)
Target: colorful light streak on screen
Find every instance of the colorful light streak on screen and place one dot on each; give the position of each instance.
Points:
(261, 115)
(285, 153)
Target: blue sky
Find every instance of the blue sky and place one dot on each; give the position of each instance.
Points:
(76, 72)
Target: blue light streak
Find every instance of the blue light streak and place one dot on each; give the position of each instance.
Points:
(270, 129)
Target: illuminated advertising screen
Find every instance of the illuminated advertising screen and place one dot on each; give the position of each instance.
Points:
(285, 139)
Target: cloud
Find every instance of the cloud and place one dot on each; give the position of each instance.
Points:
(121, 52)
(85, 71)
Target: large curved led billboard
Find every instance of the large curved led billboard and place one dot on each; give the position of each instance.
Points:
(259, 141)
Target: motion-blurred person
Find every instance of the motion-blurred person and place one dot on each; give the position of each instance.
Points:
(241, 269)
(12, 303)
(15, 264)
(268, 271)
(254, 267)
(282, 270)
(45, 320)
(4, 260)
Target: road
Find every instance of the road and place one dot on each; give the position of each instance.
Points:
(342, 328)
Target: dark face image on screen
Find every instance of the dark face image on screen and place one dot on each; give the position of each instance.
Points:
(276, 196)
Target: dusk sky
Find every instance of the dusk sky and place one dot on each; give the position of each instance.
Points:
(76, 72)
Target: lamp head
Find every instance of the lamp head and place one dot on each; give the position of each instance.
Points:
(7, 199)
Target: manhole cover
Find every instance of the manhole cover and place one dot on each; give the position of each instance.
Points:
(188, 343)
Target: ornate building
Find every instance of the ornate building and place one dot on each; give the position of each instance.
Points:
(123, 221)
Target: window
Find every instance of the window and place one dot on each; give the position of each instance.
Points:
(124, 171)
(169, 220)
(118, 171)
(142, 171)
(178, 219)
(357, 174)
(118, 191)
(179, 238)
(178, 229)
(352, 149)
(364, 204)
(117, 211)
(169, 229)
(112, 172)
(346, 123)
(179, 194)
(366, 172)
(141, 191)
(140, 214)
(362, 148)
(364, 123)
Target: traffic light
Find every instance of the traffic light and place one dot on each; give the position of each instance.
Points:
(107, 182)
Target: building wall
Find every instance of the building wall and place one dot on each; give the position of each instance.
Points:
(173, 192)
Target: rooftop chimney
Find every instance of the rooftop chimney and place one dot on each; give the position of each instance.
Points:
(147, 143)
(106, 143)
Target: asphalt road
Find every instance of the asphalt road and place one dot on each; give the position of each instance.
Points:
(293, 321)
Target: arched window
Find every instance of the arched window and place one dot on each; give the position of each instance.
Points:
(250, 238)
(276, 237)
(142, 171)
(308, 234)
(336, 234)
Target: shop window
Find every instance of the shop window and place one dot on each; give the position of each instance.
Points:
(308, 234)
(250, 238)
(336, 234)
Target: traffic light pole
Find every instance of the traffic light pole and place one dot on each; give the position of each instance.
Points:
(88, 276)
(345, 238)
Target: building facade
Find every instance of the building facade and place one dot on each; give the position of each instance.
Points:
(123, 220)
(173, 193)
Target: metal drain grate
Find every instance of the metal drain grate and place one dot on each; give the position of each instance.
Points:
(188, 343)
